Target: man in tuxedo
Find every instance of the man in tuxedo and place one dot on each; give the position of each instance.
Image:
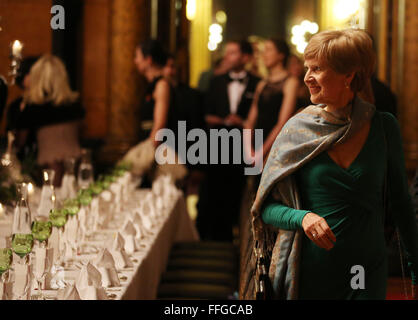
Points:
(228, 102)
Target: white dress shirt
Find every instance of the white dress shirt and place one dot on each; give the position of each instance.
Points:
(236, 89)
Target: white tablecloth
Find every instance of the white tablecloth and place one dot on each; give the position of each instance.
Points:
(144, 279)
(141, 281)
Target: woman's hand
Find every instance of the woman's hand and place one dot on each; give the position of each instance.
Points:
(317, 229)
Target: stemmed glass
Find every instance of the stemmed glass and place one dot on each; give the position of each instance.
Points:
(5, 263)
(69, 181)
(48, 196)
(41, 231)
(22, 239)
(84, 198)
(72, 206)
(58, 218)
(85, 171)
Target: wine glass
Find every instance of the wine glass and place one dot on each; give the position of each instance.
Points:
(58, 218)
(85, 171)
(72, 206)
(5, 264)
(69, 181)
(48, 196)
(22, 238)
(5, 260)
(41, 231)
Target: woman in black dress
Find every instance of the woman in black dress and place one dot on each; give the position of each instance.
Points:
(157, 107)
(275, 98)
(157, 112)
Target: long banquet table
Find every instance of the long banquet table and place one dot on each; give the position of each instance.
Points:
(149, 262)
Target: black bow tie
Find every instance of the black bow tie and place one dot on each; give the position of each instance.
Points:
(241, 80)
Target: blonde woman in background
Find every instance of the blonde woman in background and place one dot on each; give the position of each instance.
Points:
(54, 111)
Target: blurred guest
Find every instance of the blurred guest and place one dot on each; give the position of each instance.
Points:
(227, 104)
(381, 94)
(53, 110)
(27, 142)
(296, 68)
(275, 98)
(206, 76)
(157, 107)
(3, 94)
(257, 66)
(384, 98)
(188, 102)
(158, 111)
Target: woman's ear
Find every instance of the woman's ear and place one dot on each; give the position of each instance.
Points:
(349, 77)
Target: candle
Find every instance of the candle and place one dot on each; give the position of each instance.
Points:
(1, 211)
(30, 188)
(17, 48)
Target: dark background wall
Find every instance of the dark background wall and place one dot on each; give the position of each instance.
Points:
(265, 18)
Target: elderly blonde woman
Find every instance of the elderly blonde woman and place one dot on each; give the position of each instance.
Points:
(322, 189)
(53, 110)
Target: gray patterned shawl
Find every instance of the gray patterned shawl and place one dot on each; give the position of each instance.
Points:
(302, 138)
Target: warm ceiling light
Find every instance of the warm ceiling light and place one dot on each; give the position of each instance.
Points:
(221, 16)
(191, 9)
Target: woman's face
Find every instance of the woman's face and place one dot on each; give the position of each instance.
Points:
(140, 61)
(325, 85)
(271, 56)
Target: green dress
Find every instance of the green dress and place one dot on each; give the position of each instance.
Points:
(350, 200)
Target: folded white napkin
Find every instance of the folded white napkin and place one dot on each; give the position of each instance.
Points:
(122, 260)
(68, 189)
(88, 276)
(54, 244)
(116, 190)
(157, 187)
(6, 289)
(22, 281)
(71, 234)
(104, 259)
(128, 228)
(106, 266)
(129, 234)
(81, 217)
(92, 293)
(106, 195)
(69, 293)
(106, 207)
(43, 265)
(89, 283)
(94, 213)
(146, 220)
(137, 221)
(55, 280)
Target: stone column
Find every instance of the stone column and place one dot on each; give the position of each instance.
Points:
(130, 24)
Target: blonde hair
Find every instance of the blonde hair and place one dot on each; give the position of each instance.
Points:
(345, 51)
(49, 83)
